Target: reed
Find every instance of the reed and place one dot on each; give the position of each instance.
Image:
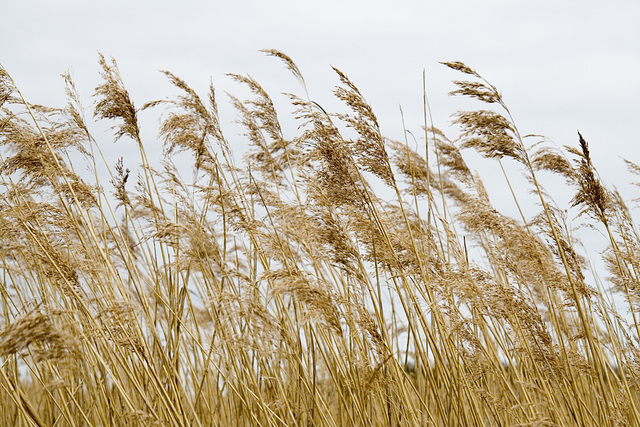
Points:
(328, 277)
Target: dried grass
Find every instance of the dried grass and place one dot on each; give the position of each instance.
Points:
(289, 290)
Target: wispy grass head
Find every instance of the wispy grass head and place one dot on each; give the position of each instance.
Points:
(113, 101)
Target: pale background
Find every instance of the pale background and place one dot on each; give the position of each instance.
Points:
(562, 66)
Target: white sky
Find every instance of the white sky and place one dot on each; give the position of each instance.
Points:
(562, 66)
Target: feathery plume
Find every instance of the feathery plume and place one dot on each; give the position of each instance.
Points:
(114, 103)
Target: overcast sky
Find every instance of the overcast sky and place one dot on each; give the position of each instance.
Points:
(562, 66)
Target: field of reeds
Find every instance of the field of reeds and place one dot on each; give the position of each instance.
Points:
(332, 277)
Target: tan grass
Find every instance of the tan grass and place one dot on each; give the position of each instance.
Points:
(292, 289)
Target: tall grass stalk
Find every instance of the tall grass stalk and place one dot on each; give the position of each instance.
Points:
(328, 277)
